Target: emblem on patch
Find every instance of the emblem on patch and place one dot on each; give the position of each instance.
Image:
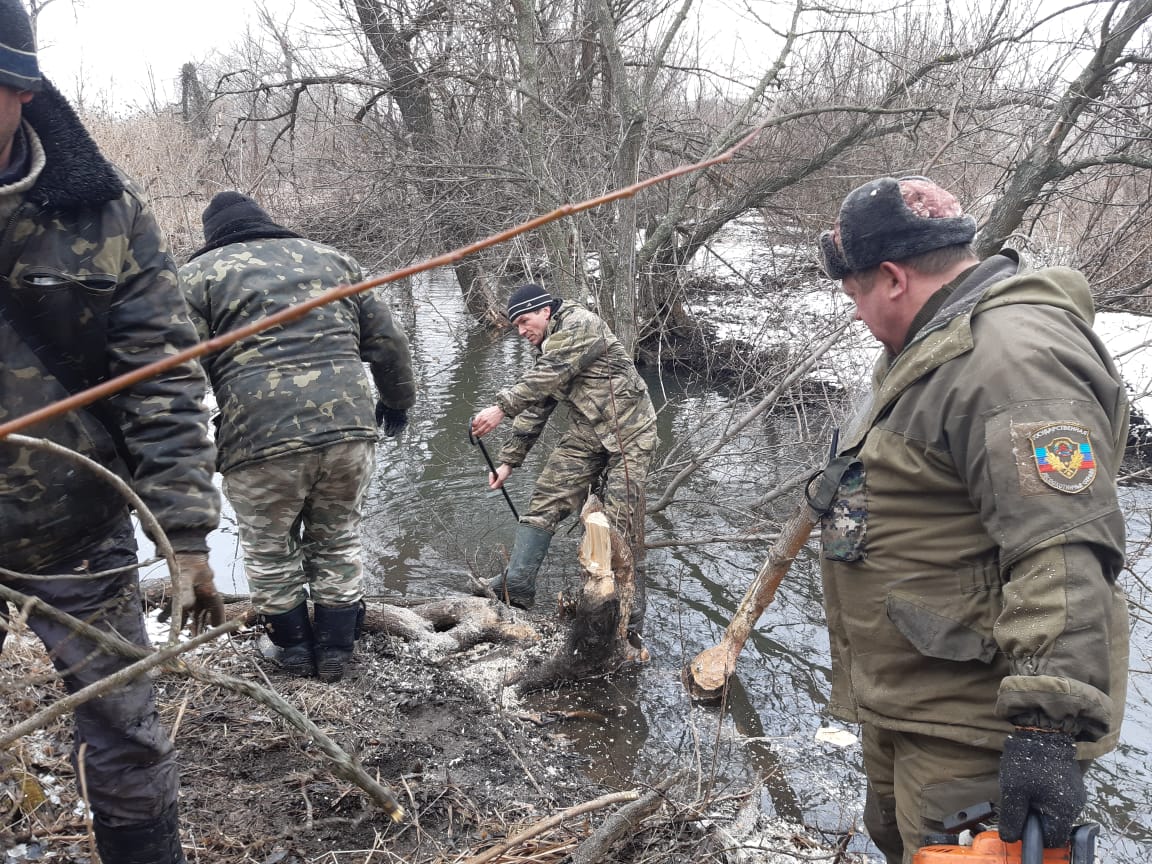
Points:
(1064, 456)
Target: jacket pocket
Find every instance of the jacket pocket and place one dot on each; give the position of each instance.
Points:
(71, 313)
(938, 635)
(844, 525)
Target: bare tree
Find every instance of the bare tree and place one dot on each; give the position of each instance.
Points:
(1060, 150)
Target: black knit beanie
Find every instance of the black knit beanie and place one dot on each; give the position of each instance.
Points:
(529, 298)
(893, 220)
(234, 218)
(18, 67)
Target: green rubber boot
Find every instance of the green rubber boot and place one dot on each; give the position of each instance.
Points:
(516, 586)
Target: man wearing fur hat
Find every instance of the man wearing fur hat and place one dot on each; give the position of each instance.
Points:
(87, 292)
(971, 552)
(609, 442)
(297, 433)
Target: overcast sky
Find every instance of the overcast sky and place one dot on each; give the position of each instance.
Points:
(118, 51)
(109, 46)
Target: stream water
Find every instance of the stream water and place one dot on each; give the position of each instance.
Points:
(431, 521)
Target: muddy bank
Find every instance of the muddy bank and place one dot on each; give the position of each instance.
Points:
(471, 764)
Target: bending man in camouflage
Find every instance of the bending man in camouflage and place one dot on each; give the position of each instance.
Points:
(610, 439)
(296, 434)
(88, 291)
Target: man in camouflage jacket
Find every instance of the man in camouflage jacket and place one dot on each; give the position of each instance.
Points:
(297, 432)
(971, 553)
(609, 442)
(90, 292)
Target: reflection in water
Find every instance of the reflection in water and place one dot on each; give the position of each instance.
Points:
(431, 521)
(760, 753)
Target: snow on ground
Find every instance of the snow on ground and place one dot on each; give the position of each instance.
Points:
(754, 308)
(738, 252)
(1129, 339)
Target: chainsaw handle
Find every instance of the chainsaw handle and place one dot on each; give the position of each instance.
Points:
(1032, 847)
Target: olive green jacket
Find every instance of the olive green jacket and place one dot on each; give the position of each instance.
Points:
(84, 256)
(300, 385)
(970, 557)
(584, 365)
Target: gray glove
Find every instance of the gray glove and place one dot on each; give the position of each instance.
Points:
(1039, 772)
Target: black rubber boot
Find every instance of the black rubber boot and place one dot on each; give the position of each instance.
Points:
(337, 629)
(154, 842)
(516, 586)
(291, 632)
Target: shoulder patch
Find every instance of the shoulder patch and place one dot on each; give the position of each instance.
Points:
(1064, 457)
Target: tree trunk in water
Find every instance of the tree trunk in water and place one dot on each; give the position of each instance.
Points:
(619, 265)
(565, 271)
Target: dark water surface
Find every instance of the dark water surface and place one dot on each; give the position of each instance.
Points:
(431, 521)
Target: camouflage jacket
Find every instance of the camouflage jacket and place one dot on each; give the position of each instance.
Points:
(971, 557)
(582, 364)
(300, 385)
(83, 254)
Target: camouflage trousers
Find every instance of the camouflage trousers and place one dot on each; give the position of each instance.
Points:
(129, 766)
(299, 519)
(580, 465)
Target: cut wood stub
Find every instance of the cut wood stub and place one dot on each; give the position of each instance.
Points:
(595, 556)
(596, 641)
(609, 574)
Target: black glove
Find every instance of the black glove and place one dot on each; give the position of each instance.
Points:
(391, 419)
(1039, 772)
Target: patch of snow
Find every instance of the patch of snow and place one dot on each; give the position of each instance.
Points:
(1128, 338)
(839, 737)
(738, 252)
(763, 318)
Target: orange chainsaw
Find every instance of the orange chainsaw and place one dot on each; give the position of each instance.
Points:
(986, 847)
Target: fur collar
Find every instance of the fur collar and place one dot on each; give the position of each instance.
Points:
(76, 174)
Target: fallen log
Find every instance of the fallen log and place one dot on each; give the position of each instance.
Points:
(449, 625)
(624, 821)
(551, 822)
(441, 626)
